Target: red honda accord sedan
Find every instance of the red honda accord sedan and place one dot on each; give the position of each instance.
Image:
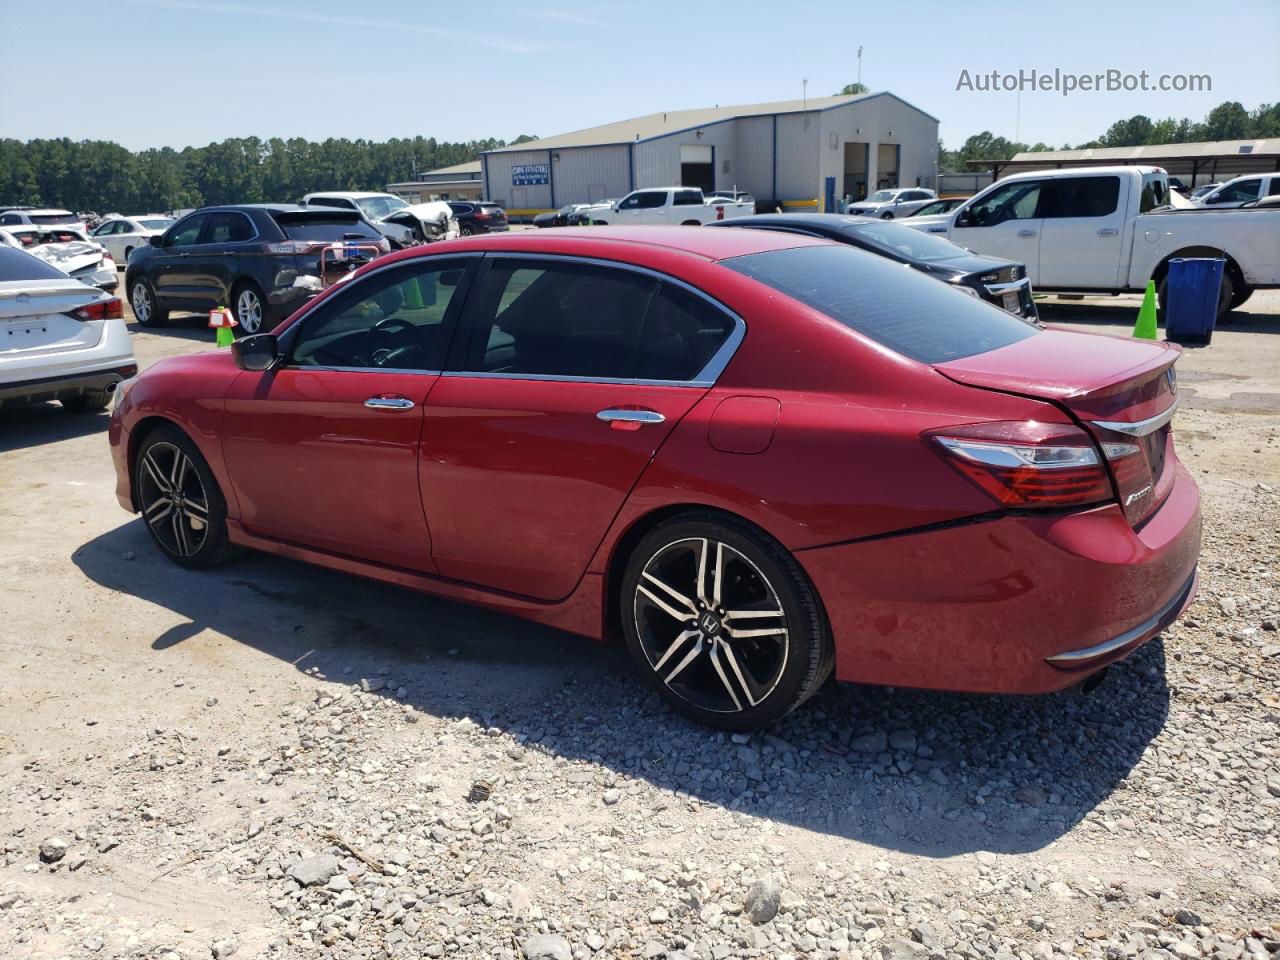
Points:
(759, 458)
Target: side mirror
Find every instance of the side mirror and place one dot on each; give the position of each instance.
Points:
(156, 239)
(258, 352)
(964, 219)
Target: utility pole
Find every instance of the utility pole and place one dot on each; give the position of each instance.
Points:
(804, 94)
(859, 63)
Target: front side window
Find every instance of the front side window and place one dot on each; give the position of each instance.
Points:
(881, 196)
(186, 231)
(1079, 197)
(1241, 192)
(902, 309)
(1013, 201)
(543, 318)
(229, 227)
(107, 229)
(390, 321)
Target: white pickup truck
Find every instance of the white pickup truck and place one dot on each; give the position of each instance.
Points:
(684, 206)
(1110, 230)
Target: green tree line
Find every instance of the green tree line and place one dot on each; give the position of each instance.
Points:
(1227, 121)
(102, 176)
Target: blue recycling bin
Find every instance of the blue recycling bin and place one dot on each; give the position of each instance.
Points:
(1191, 300)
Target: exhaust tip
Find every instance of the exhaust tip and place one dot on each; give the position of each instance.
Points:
(111, 387)
(1091, 682)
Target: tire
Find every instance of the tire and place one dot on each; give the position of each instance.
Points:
(190, 530)
(887, 215)
(249, 307)
(691, 223)
(688, 646)
(465, 231)
(142, 298)
(1239, 297)
(90, 401)
(128, 251)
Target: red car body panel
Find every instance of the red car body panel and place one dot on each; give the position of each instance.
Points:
(511, 494)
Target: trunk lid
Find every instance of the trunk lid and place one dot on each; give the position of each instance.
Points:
(35, 320)
(1123, 391)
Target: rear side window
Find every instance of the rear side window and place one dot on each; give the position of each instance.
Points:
(579, 320)
(229, 228)
(326, 227)
(490, 208)
(1155, 192)
(1079, 197)
(686, 198)
(17, 265)
(913, 314)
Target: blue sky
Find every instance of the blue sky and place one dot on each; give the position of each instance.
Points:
(178, 72)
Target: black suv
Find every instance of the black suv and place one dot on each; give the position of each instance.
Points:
(261, 260)
(475, 216)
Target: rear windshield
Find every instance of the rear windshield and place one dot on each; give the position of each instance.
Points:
(54, 218)
(490, 208)
(906, 241)
(334, 225)
(916, 315)
(19, 265)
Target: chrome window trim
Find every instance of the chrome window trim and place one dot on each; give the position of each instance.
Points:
(706, 377)
(425, 373)
(1141, 427)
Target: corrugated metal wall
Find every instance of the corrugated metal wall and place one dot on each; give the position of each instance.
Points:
(658, 161)
(578, 175)
(798, 156)
(753, 159)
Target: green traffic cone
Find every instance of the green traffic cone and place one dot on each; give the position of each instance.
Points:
(226, 336)
(1145, 328)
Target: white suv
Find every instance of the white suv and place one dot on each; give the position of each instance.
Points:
(62, 340)
(41, 216)
(888, 204)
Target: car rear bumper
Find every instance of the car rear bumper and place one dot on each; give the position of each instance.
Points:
(67, 384)
(1016, 604)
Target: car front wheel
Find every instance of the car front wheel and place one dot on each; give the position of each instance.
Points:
(723, 623)
(179, 499)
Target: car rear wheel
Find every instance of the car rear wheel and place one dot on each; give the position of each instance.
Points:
(722, 621)
(145, 309)
(249, 307)
(87, 402)
(887, 215)
(465, 230)
(181, 505)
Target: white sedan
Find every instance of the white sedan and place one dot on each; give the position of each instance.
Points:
(889, 204)
(121, 235)
(67, 342)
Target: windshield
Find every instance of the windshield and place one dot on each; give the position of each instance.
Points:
(161, 223)
(375, 208)
(906, 241)
(929, 209)
(880, 196)
(901, 308)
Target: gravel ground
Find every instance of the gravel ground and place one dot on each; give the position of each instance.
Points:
(272, 760)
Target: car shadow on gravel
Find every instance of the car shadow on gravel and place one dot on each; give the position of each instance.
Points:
(194, 327)
(26, 425)
(928, 773)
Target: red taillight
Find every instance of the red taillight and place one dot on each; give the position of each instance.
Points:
(1028, 463)
(480, 215)
(111, 309)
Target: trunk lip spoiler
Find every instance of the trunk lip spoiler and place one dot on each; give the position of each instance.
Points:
(1139, 428)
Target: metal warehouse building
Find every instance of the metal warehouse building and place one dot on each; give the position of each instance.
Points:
(794, 153)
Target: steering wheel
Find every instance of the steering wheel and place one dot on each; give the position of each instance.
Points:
(387, 326)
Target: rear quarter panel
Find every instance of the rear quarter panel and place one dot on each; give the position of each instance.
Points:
(1249, 237)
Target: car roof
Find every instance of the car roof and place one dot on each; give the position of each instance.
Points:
(349, 194)
(34, 211)
(707, 244)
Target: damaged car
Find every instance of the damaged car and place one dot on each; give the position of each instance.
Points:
(67, 249)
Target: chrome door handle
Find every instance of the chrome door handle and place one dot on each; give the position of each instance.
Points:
(1026, 233)
(616, 415)
(1108, 232)
(389, 403)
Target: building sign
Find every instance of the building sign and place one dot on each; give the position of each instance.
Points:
(530, 174)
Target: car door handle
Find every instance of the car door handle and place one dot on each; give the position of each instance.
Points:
(1026, 233)
(389, 403)
(1108, 232)
(638, 417)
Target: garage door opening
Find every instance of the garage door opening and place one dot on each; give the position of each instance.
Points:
(697, 167)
